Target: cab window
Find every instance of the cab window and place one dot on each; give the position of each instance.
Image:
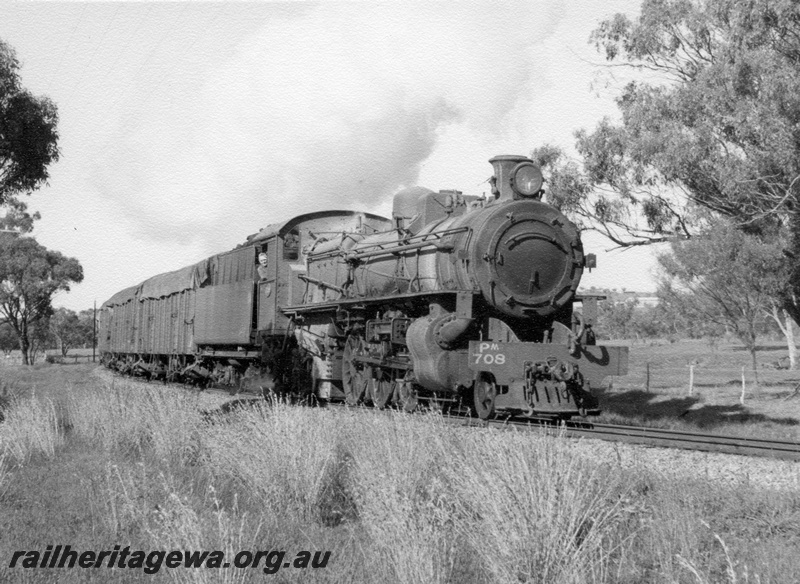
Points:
(291, 245)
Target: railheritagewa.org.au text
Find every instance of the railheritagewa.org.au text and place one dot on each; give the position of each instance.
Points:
(150, 562)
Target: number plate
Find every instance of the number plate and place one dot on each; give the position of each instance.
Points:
(485, 354)
(507, 360)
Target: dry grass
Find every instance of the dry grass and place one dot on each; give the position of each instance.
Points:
(135, 418)
(31, 427)
(549, 514)
(399, 481)
(696, 532)
(395, 498)
(281, 453)
(4, 471)
(179, 519)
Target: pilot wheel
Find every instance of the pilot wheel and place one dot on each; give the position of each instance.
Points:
(484, 392)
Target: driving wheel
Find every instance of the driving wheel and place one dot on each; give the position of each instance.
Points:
(381, 393)
(407, 396)
(354, 381)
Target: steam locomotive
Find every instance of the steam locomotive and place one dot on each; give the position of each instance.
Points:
(456, 300)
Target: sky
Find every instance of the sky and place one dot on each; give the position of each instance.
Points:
(186, 126)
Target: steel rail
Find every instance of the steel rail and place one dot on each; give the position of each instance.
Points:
(687, 440)
(641, 435)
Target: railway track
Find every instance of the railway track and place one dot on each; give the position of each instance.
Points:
(655, 437)
(641, 435)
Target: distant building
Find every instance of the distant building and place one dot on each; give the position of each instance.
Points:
(647, 299)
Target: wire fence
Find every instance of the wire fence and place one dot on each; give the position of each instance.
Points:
(70, 359)
(15, 358)
(693, 378)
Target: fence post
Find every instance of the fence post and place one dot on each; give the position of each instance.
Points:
(647, 381)
(691, 379)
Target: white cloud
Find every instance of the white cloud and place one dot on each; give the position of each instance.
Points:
(337, 108)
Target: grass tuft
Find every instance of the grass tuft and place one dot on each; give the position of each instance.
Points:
(130, 418)
(281, 453)
(10, 392)
(31, 427)
(4, 472)
(540, 513)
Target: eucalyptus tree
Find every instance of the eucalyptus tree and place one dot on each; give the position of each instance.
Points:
(698, 281)
(30, 275)
(709, 126)
(28, 132)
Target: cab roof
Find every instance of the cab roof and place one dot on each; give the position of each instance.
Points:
(282, 228)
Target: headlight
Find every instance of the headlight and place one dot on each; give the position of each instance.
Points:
(526, 179)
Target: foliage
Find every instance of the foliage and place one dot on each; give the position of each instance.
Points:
(40, 338)
(30, 275)
(678, 321)
(28, 134)
(17, 218)
(708, 127)
(723, 277)
(86, 318)
(615, 318)
(8, 338)
(669, 319)
(626, 217)
(622, 316)
(71, 329)
(717, 120)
